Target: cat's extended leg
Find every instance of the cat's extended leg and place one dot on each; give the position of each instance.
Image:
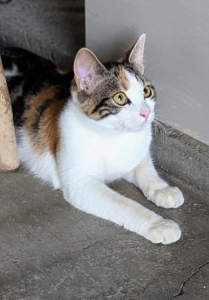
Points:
(92, 196)
(154, 188)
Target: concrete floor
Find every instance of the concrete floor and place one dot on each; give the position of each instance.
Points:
(49, 250)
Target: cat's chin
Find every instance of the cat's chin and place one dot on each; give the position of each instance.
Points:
(120, 125)
(138, 128)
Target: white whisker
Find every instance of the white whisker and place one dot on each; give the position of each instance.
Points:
(162, 130)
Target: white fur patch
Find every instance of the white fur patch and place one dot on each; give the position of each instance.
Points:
(11, 72)
(42, 166)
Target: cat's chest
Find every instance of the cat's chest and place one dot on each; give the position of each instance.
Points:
(118, 155)
(94, 150)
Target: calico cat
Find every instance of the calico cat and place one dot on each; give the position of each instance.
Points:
(80, 131)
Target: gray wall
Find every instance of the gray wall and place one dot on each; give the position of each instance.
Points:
(177, 52)
(53, 29)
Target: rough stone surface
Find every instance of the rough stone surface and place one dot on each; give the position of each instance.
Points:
(182, 156)
(54, 29)
(50, 250)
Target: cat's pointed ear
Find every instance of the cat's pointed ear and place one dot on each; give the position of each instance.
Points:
(88, 70)
(136, 56)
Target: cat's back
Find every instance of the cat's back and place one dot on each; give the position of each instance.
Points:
(38, 93)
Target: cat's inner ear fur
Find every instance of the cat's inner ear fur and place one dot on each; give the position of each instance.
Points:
(88, 70)
(135, 56)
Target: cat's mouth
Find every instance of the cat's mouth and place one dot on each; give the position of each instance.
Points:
(135, 126)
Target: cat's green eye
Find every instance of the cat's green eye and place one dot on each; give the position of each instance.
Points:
(147, 91)
(120, 98)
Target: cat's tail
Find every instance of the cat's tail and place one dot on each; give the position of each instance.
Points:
(19, 62)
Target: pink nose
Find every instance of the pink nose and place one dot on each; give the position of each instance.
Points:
(145, 114)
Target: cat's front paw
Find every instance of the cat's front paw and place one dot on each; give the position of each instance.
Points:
(164, 232)
(168, 197)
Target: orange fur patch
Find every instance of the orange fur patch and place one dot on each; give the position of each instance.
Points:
(124, 82)
(46, 136)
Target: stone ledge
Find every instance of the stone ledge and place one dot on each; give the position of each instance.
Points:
(182, 156)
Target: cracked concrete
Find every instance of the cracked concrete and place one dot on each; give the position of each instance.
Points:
(186, 280)
(50, 250)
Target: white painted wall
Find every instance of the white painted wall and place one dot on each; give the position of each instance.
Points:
(177, 52)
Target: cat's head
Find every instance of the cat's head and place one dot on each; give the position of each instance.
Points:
(116, 94)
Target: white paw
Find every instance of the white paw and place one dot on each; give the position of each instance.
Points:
(168, 197)
(164, 231)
